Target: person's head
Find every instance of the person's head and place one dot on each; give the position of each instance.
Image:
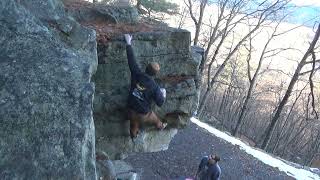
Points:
(152, 69)
(213, 158)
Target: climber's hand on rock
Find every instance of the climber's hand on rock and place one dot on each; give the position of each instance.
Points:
(128, 38)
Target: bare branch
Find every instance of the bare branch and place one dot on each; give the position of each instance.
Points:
(229, 84)
(313, 61)
(307, 72)
(311, 84)
(284, 32)
(248, 60)
(213, 35)
(276, 70)
(278, 51)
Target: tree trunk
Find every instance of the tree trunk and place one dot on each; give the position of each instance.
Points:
(243, 110)
(198, 22)
(289, 140)
(223, 100)
(287, 120)
(196, 36)
(203, 101)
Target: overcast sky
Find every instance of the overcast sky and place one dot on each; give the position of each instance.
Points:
(307, 10)
(306, 2)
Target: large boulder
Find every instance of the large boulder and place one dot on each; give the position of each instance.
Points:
(178, 74)
(46, 123)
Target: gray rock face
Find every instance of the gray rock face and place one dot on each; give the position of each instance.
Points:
(121, 14)
(178, 74)
(125, 171)
(106, 170)
(102, 13)
(105, 167)
(46, 125)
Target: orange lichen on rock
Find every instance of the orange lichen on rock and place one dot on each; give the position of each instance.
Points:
(106, 29)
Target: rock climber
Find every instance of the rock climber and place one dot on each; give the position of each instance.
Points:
(143, 91)
(208, 168)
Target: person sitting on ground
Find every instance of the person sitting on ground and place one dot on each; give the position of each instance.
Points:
(209, 168)
(143, 91)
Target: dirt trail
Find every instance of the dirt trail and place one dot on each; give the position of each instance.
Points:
(185, 152)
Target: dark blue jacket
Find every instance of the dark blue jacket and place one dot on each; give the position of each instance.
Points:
(143, 89)
(208, 171)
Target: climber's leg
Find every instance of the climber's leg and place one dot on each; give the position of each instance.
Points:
(152, 118)
(134, 123)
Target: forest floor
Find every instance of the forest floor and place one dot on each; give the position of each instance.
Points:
(185, 152)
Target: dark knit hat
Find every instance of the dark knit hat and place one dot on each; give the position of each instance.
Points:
(153, 68)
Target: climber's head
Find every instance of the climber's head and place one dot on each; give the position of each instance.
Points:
(152, 69)
(213, 159)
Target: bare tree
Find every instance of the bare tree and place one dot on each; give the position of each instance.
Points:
(230, 98)
(253, 79)
(286, 121)
(293, 81)
(262, 16)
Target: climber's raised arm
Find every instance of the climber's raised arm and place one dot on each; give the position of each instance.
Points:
(134, 68)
